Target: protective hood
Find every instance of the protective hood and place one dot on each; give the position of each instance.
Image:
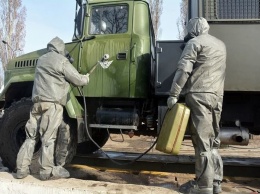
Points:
(197, 26)
(57, 45)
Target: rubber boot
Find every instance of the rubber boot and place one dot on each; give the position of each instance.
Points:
(22, 174)
(217, 187)
(60, 172)
(191, 187)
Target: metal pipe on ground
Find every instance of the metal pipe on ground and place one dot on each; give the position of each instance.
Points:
(234, 136)
(231, 136)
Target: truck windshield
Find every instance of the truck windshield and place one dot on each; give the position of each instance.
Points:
(109, 19)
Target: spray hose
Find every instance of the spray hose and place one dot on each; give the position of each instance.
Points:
(89, 136)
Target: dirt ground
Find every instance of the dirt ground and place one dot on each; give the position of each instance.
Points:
(141, 143)
(170, 181)
(174, 180)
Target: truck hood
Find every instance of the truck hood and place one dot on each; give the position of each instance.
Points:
(28, 60)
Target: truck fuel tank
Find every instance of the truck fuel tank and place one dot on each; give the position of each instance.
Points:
(117, 116)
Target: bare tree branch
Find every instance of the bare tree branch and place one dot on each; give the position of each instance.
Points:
(182, 19)
(12, 31)
(156, 9)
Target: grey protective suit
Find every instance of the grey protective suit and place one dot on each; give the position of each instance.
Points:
(200, 76)
(50, 93)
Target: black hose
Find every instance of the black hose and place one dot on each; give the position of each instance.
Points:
(89, 136)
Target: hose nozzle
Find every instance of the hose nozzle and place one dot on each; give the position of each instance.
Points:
(104, 63)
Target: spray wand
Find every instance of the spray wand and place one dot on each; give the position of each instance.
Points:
(104, 63)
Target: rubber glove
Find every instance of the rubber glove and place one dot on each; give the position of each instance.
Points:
(87, 77)
(171, 101)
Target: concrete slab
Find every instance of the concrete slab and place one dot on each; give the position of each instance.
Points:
(31, 184)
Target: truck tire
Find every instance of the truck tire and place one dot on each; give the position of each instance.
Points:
(12, 135)
(100, 136)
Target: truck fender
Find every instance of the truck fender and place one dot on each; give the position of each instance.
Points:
(15, 79)
(73, 107)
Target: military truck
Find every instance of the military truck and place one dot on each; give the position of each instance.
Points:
(130, 95)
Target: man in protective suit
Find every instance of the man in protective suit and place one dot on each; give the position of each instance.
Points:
(200, 76)
(53, 74)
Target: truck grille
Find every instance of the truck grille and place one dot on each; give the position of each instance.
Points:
(26, 63)
(232, 9)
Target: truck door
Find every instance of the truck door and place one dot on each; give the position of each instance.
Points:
(168, 55)
(110, 26)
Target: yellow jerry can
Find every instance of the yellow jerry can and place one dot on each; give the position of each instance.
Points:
(173, 129)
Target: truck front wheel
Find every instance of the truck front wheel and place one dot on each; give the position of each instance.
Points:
(12, 135)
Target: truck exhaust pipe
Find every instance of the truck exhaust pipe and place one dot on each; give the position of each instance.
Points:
(234, 136)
